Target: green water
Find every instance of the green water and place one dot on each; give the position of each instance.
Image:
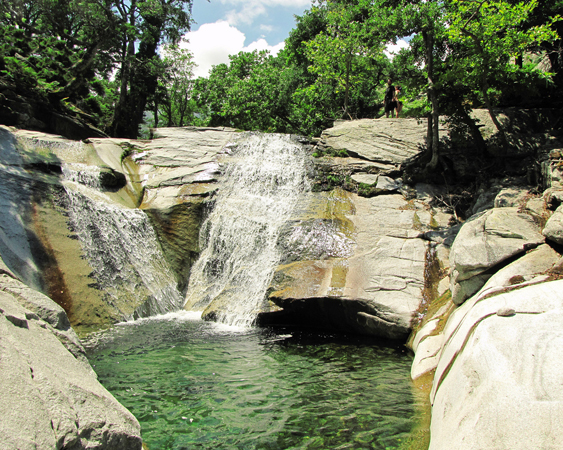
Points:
(199, 385)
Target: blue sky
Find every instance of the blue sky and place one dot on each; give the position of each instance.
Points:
(226, 27)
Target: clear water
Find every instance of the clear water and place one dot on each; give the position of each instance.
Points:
(202, 385)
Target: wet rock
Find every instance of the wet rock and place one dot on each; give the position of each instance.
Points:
(380, 265)
(46, 214)
(111, 179)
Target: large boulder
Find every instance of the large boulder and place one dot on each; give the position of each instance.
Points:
(51, 396)
(485, 241)
(553, 229)
(498, 380)
(387, 141)
(354, 264)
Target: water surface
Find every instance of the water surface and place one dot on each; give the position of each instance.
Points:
(200, 385)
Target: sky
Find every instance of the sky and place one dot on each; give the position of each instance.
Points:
(226, 27)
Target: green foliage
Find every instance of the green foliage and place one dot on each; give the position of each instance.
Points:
(488, 34)
(340, 153)
(344, 55)
(64, 52)
(172, 101)
(99, 59)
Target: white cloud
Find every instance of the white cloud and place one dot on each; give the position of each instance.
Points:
(393, 49)
(261, 44)
(245, 11)
(247, 14)
(212, 44)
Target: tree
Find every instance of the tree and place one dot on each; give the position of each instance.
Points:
(245, 94)
(422, 19)
(54, 49)
(489, 36)
(146, 24)
(175, 87)
(65, 52)
(341, 55)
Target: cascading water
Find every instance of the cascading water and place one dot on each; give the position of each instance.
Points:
(263, 181)
(120, 245)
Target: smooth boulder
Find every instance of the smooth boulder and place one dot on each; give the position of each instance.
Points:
(498, 380)
(51, 396)
(485, 241)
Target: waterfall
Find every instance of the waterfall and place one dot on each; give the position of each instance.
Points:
(120, 245)
(263, 180)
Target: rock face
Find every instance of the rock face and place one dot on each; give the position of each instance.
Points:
(353, 263)
(388, 141)
(76, 218)
(51, 397)
(498, 382)
(485, 241)
(173, 177)
(367, 259)
(490, 336)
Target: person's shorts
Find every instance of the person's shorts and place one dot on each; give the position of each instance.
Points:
(390, 106)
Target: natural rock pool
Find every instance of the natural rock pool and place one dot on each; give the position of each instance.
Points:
(201, 385)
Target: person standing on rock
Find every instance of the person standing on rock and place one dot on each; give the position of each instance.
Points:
(399, 106)
(390, 100)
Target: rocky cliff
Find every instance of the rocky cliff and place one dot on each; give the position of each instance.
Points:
(473, 268)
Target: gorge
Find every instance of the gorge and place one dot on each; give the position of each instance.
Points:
(114, 230)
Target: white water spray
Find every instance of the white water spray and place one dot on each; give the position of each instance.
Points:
(120, 244)
(264, 179)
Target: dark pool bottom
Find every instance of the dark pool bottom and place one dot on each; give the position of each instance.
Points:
(199, 385)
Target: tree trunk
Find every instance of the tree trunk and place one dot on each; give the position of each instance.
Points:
(433, 134)
(143, 83)
(429, 134)
(78, 71)
(473, 128)
(120, 113)
(485, 89)
(347, 87)
(155, 113)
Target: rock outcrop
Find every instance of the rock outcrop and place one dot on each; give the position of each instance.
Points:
(485, 241)
(493, 351)
(368, 256)
(51, 396)
(173, 177)
(355, 263)
(90, 223)
(385, 141)
(498, 381)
